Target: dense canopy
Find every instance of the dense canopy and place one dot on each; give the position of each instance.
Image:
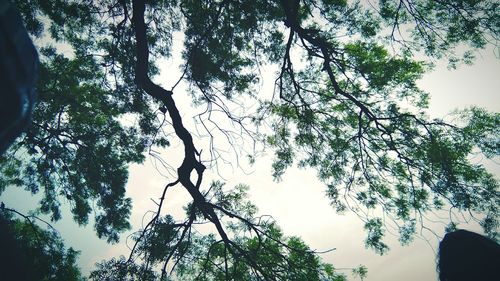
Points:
(345, 103)
(30, 252)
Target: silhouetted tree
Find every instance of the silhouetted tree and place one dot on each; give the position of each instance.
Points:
(29, 252)
(345, 103)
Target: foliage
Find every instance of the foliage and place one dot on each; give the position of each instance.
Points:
(346, 104)
(120, 269)
(360, 271)
(272, 257)
(35, 253)
(77, 148)
(258, 249)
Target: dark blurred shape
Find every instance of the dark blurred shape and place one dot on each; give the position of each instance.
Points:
(18, 71)
(468, 256)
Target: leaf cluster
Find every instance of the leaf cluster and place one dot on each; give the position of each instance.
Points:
(33, 253)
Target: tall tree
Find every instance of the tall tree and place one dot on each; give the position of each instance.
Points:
(30, 252)
(345, 103)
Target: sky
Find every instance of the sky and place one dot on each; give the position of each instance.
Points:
(298, 202)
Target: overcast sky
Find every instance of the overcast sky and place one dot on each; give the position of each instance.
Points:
(298, 203)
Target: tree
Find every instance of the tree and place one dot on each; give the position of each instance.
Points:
(350, 109)
(32, 253)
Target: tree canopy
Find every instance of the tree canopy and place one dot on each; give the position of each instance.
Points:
(30, 252)
(345, 103)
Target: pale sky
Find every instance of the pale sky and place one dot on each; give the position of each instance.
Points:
(298, 203)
